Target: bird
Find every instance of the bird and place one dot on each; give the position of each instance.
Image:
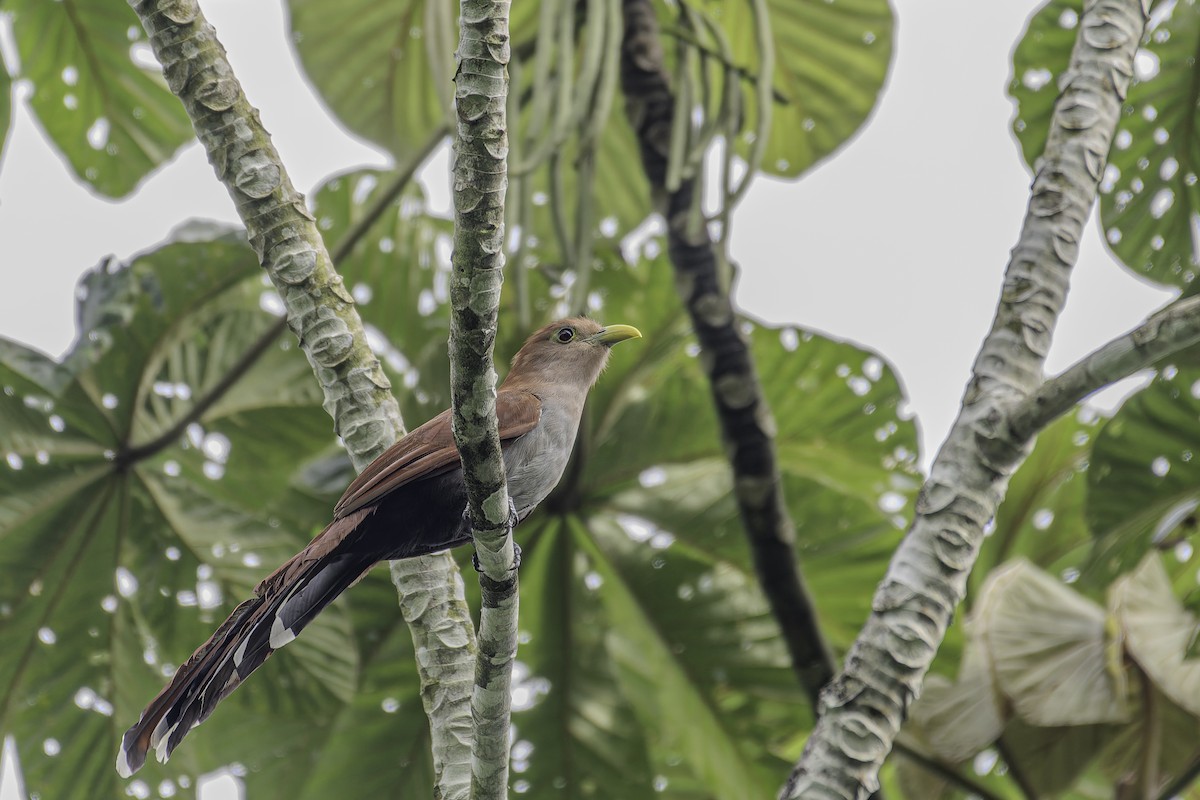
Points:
(411, 501)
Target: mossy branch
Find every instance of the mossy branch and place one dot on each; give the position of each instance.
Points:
(480, 181)
(321, 312)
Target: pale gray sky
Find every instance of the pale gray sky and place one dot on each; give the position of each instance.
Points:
(898, 242)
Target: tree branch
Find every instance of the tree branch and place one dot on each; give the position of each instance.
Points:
(1175, 327)
(401, 177)
(480, 180)
(746, 422)
(863, 709)
(321, 312)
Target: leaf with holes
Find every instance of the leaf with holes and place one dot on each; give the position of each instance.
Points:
(405, 310)
(1148, 197)
(136, 510)
(110, 116)
(1144, 474)
(1042, 516)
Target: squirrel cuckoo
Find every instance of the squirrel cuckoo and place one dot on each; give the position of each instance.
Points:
(408, 502)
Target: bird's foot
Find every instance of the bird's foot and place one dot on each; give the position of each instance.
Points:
(513, 516)
(513, 519)
(515, 565)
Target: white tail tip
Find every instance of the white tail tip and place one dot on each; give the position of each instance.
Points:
(279, 634)
(123, 763)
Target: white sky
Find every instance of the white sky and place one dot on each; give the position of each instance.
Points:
(898, 242)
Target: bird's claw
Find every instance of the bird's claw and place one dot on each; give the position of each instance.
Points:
(515, 565)
(513, 519)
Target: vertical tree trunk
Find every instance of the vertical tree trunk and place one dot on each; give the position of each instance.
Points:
(322, 315)
(480, 181)
(861, 712)
(747, 426)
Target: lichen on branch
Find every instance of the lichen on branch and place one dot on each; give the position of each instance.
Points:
(862, 710)
(321, 312)
(480, 179)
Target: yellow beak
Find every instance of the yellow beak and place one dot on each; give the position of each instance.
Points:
(612, 334)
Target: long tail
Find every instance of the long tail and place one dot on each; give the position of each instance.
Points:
(284, 603)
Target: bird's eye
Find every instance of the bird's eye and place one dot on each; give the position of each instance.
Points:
(565, 335)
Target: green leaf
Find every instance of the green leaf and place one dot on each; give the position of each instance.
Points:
(846, 451)
(1049, 649)
(960, 718)
(1042, 516)
(1053, 759)
(113, 120)
(831, 61)
(1144, 482)
(713, 695)
(125, 538)
(378, 742)
(1160, 729)
(576, 729)
(1156, 630)
(374, 64)
(1149, 196)
(406, 306)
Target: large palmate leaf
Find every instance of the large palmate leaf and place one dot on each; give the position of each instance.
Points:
(635, 570)
(1158, 631)
(105, 108)
(1048, 649)
(126, 536)
(1042, 516)
(649, 529)
(831, 60)
(383, 68)
(399, 273)
(1149, 197)
(1144, 479)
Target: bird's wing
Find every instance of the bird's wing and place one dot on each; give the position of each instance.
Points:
(429, 450)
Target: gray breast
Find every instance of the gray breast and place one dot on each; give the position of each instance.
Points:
(536, 461)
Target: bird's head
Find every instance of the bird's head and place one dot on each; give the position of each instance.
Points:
(572, 350)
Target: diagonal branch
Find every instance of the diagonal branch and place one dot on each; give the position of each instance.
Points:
(746, 423)
(401, 177)
(321, 313)
(861, 712)
(480, 180)
(1175, 327)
